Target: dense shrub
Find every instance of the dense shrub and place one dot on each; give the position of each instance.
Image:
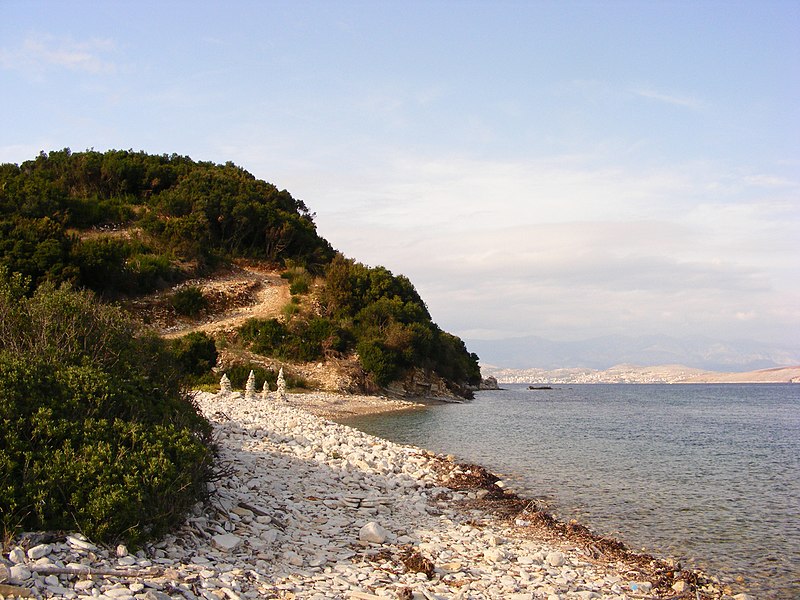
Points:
(84, 212)
(189, 301)
(239, 372)
(299, 280)
(299, 286)
(196, 352)
(302, 339)
(38, 248)
(151, 271)
(95, 433)
(379, 361)
(118, 266)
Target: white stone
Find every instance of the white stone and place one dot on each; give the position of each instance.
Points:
(154, 595)
(37, 552)
(18, 573)
(555, 559)
(494, 554)
(226, 542)
(121, 550)
(17, 556)
(80, 542)
(293, 558)
(83, 585)
(59, 591)
(680, 586)
(373, 532)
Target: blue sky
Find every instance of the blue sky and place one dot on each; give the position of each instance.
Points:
(561, 169)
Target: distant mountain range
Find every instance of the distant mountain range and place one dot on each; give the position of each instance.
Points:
(604, 352)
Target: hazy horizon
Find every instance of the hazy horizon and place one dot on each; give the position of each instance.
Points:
(604, 352)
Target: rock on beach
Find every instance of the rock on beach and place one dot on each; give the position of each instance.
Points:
(310, 509)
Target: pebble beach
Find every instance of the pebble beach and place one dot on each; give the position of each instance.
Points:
(303, 507)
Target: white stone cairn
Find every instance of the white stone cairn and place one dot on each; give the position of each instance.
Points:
(225, 388)
(250, 386)
(265, 391)
(281, 393)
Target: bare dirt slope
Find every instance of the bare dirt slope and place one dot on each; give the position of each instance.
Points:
(234, 296)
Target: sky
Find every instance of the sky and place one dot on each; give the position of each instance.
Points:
(559, 169)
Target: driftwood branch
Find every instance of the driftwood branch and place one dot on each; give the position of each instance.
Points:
(256, 511)
(87, 571)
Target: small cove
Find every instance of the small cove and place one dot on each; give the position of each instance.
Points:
(709, 474)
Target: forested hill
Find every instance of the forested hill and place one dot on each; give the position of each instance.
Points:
(125, 224)
(192, 214)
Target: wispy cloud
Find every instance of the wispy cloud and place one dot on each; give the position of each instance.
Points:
(769, 181)
(575, 246)
(668, 98)
(40, 52)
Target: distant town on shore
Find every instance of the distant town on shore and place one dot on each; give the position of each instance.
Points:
(626, 373)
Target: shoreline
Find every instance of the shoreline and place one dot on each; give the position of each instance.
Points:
(303, 507)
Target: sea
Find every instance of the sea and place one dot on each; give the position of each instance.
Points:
(708, 474)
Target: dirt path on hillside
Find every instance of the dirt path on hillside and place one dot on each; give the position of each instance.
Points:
(244, 293)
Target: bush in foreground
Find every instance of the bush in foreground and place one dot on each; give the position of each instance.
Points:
(196, 352)
(95, 432)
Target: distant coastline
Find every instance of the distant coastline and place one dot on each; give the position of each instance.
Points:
(627, 373)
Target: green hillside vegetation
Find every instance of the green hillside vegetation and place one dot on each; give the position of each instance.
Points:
(378, 315)
(124, 223)
(180, 217)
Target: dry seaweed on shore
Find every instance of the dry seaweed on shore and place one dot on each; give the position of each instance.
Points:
(528, 520)
(414, 562)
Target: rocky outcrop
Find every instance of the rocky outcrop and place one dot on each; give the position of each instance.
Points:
(421, 383)
(489, 383)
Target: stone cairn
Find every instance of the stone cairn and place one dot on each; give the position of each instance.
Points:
(265, 391)
(250, 386)
(225, 388)
(281, 392)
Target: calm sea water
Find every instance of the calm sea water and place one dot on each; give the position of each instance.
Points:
(708, 474)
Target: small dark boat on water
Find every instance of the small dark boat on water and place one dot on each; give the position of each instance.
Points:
(539, 387)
